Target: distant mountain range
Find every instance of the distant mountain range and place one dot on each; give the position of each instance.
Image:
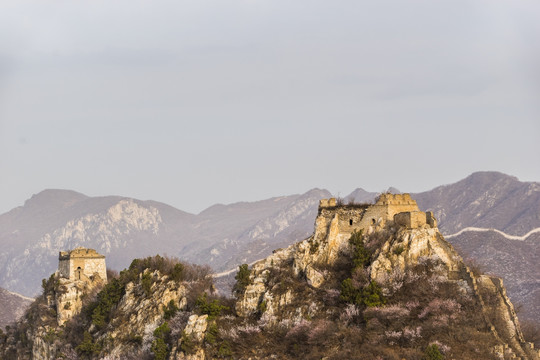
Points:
(12, 307)
(226, 235)
(517, 261)
(485, 200)
(123, 229)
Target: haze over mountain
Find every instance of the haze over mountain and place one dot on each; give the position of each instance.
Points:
(486, 200)
(227, 235)
(12, 307)
(123, 228)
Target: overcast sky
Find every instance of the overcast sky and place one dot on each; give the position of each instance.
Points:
(197, 102)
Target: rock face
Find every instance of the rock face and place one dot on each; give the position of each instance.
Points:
(333, 228)
(128, 328)
(140, 314)
(227, 235)
(372, 281)
(406, 247)
(402, 241)
(68, 298)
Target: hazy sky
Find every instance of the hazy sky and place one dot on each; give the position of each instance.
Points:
(197, 102)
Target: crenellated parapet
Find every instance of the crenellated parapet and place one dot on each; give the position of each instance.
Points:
(327, 203)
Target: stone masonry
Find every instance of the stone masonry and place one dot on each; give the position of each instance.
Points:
(400, 208)
(82, 264)
(80, 270)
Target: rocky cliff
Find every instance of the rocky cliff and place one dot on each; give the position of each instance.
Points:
(121, 320)
(405, 286)
(373, 281)
(226, 235)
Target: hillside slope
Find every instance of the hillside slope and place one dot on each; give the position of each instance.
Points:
(516, 261)
(366, 285)
(12, 306)
(226, 235)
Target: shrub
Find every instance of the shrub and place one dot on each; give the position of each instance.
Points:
(212, 308)
(169, 266)
(159, 347)
(432, 353)
(135, 339)
(349, 293)
(187, 345)
(50, 284)
(262, 307)
(162, 331)
(242, 279)
(211, 333)
(398, 250)
(372, 295)
(146, 282)
(88, 347)
(177, 272)
(170, 310)
(361, 255)
(107, 298)
(224, 350)
(369, 296)
(531, 332)
(50, 336)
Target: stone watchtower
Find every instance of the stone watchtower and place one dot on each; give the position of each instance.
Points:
(82, 264)
(399, 208)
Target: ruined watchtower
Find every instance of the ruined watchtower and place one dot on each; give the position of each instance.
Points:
(82, 264)
(399, 208)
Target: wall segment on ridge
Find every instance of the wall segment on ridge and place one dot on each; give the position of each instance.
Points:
(355, 217)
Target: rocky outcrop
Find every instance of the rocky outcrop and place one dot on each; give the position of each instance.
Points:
(68, 299)
(134, 310)
(371, 277)
(398, 248)
(403, 248)
(140, 313)
(195, 330)
(251, 297)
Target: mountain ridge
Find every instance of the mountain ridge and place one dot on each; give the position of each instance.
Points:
(224, 235)
(12, 306)
(372, 281)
